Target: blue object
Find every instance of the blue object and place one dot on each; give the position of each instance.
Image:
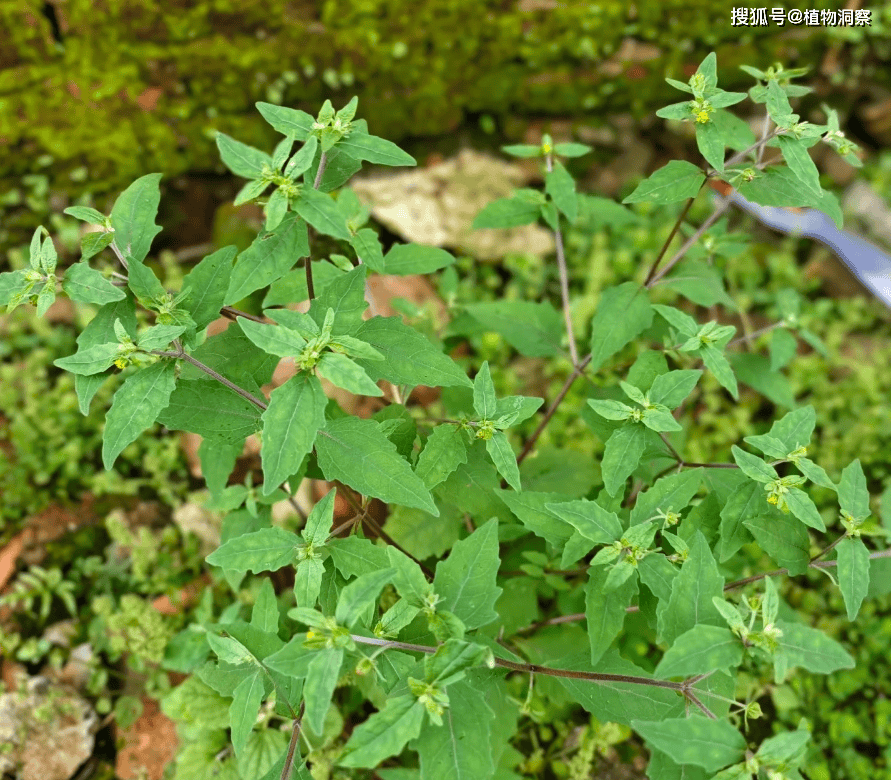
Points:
(870, 264)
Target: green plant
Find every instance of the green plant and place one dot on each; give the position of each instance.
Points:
(654, 548)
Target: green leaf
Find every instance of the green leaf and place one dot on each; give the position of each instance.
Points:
(783, 538)
(746, 502)
(444, 451)
(853, 496)
(460, 749)
(716, 363)
(308, 580)
(268, 258)
(159, 336)
(343, 372)
(246, 702)
(355, 452)
(276, 340)
(385, 733)
(793, 430)
(466, 579)
(679, 320)
(259, 756)
(144, 284)
(694, 586)
(621, 456)
(86, 214)
(318, 524)
(206, 285)
(136, 405)
(85, 284)
(361, 595)
(788, 747)
(624, 312)
(711, 744)
(302, 161)
(264, 615)
(404, 259)
(701, 283)
(133, 217)
(571, 149)
(354, 556)
(780, 186)
(610, 409)
(810, 649)
(672, 388)
(804, 509)
(778, 105)
(93, 360)
(321, 679)
(674, 182)
(362, 146)
(799, 161)
(288, 121)
(320, 211)
(605, 611)
(853, 573)
(700, 650)
(530, 508)
(295, 414)
(508, 212)
(533, 329)
(484, 400)
(561, 187)
(523, 150)
(669, 493)
(368, 249)
(752, 466)
(241, 159)
(710, 143)
(590, 519)
(268, 549)
(503, 457)
(210, 409)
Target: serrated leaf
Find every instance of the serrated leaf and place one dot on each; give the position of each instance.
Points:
(804, 508)
(701, 283)
(276, 340)
(385, 733)
(269, 257)
(133, 217)
(561, 187)
(288, 121)
(444, 451)
(355, 452)
(211, 410)
(404, 259)
(87, 285)
(206, 285)
(86, 214)
(362, 146)
(746, 502)
(752, 466)
(241, 159)
(853, 495)
(268, 549)
(605, 611)
(533, 329)
(783, 538)
(320, 211)
(508, 213)
(503, 457)
(354, 556)
(624, 312)
(674, 182)
(590, 519)
(295, 414)
(710, 143)
(360, 595)
(93, 360)
(672, 388)
(466, 579)
(800, 163)
(136, 405)
(245, 705)
(810, 649)
(700, 650)
(484, 399)
(853, 573)
(345, 373)
(711, 744)
(621, 456)
(318, 688)
(669, 493)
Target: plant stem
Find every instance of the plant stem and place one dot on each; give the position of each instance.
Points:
(182, 355)
(292, 744)
(564, 280)
(670, 238)
(572, 674)
(576, 372)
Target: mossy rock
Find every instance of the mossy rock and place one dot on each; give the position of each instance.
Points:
(112, 90)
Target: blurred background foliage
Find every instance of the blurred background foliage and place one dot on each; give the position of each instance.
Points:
(96, 93)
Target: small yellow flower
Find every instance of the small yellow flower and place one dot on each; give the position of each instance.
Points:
(702, 117)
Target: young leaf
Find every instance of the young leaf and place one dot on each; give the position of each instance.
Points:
(362, 146)
(355, 452)
(133, 217)
(810, 649)
(295, 414)
(276, 340)
(144, 284)
(503, 457)
(360, 596)
(672, 388)
(711, 744)
(484, 400)
(135, 407)
(93, 360)
(804, 509)
(590, 519)
(795, 152)
(343, 372)
(86, 214)
(561, 187)
(753, 466)
(674, 182)
(509, 212)
(710, 143)
(700, 650)
(853, 573)
(288, 121)
(466, 579)
(853, 496)
(268, 549)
